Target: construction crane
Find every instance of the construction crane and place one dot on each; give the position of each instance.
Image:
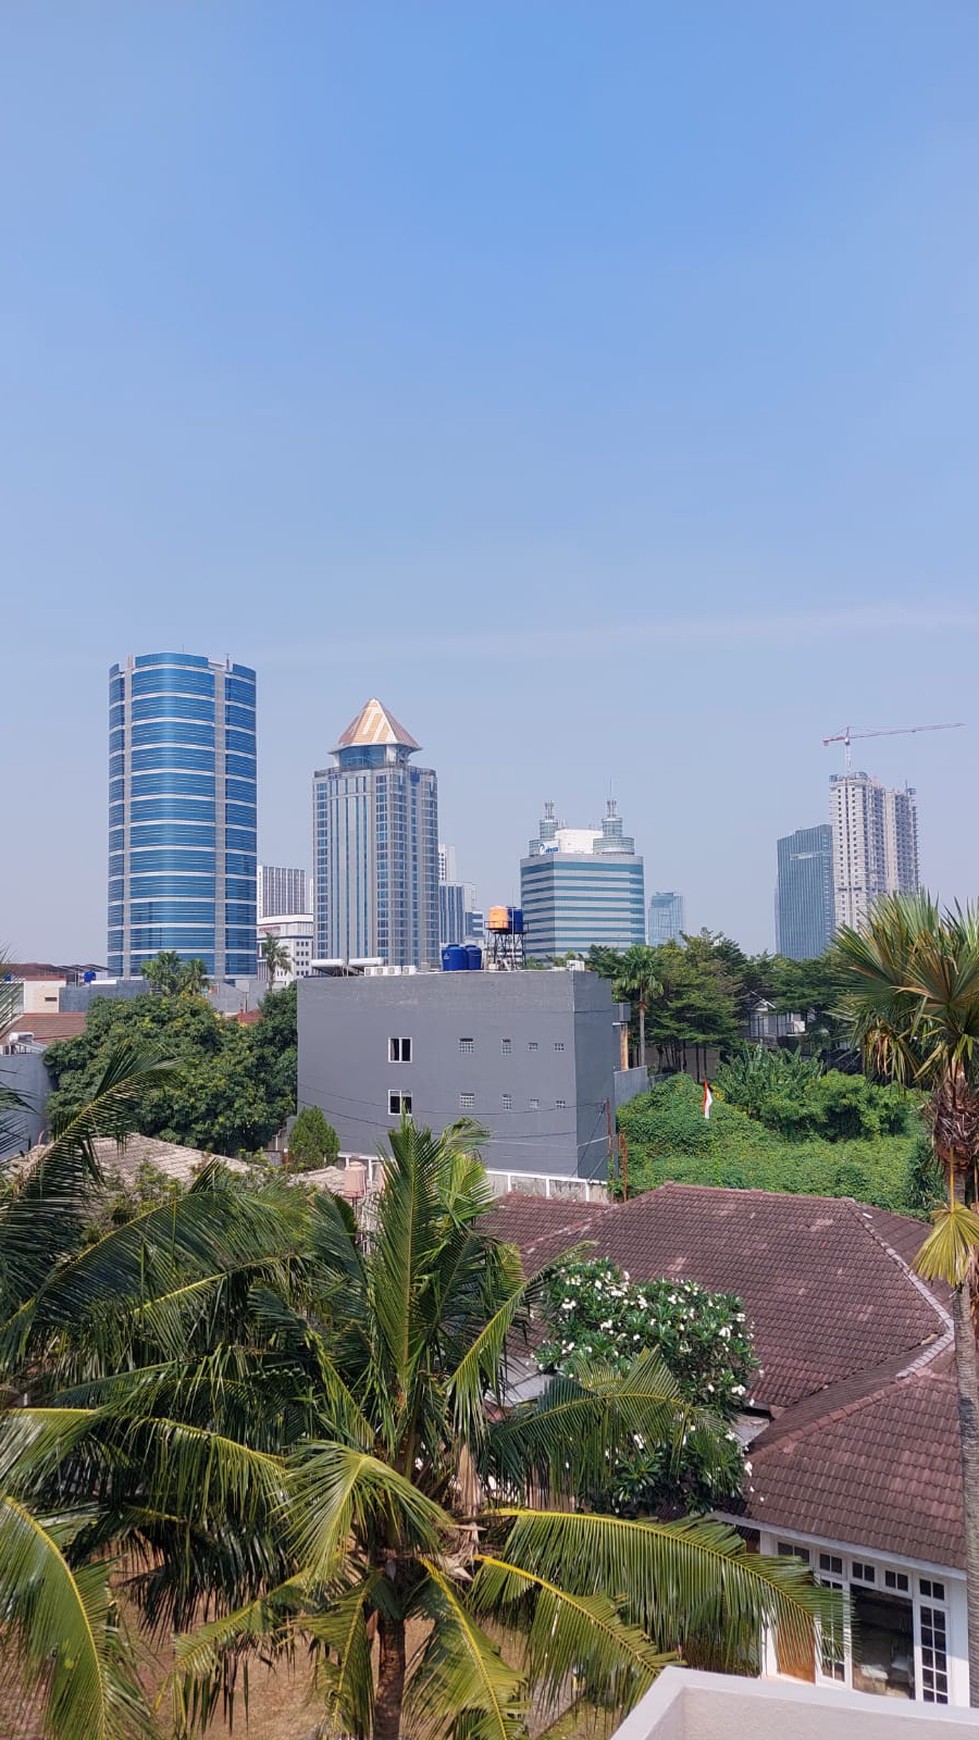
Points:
(847, 735)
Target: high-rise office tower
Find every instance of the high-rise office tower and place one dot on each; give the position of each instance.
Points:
(282, 892)
(182, 813)
(875, 844)
(665, 918)
(452, 913)
(804, 893)
(580, 886)
(376, 847)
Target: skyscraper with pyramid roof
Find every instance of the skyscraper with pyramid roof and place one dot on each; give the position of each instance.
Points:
(376, 847)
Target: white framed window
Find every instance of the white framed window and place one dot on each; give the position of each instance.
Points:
(535, 1105)
(398, 1103)
(399, 1051)
(894, 1638)
(466, 1047)
(467, 1102)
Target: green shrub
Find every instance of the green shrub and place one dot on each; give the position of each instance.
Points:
(796, 1098)
(312, 1141)
(669, 1138)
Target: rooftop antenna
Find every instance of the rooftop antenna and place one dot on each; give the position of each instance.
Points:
(848, 735)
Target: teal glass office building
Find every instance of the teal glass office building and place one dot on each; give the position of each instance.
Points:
(182, 813)
(581, 887)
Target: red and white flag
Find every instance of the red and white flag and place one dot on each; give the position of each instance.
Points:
(708, 1098)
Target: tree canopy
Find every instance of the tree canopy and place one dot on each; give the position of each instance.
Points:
(236, 1085)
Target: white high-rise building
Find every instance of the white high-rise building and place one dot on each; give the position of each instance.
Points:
(283, 892)
(875, 844)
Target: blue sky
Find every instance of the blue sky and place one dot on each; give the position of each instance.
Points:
(596, 383)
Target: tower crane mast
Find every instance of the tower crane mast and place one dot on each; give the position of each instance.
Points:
(848, 735)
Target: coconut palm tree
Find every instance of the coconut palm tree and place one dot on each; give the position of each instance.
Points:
(913, 1000)
(63, 1645)
(194, 980)
(435, 1548)
(275, 955)
(638, 982)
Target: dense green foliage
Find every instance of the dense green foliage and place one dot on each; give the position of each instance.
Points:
(171, 976)
(668, 1137)
(312, 1141)
(593, 1312)
(282, 1428)
(795, 1097)
(236, 1085)
(701, 990)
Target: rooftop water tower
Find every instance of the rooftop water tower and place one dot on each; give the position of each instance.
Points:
(504, 936)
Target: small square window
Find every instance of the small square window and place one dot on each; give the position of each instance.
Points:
(535, 1105)
(506, 1046)
(559, 1044)
(562, 1105)
(399, 1050)
(507, 1103)
(532, 1045)
(786, 1550)
(467, 1102)
(398, 1103)
(896, 1580)
(830, 1562)
(466, 1046)
(863, 1573)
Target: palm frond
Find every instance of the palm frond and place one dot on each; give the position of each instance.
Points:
(568, 1635)
(677, 1580)
(346, 1676)
(950, 1246)
(206, 1661)
(462, 1684)
(336, 1488)
(63, 1644)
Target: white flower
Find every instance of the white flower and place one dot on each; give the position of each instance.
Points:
(737, 1389)
(747, 1467)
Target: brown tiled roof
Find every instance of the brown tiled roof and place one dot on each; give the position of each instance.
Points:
(880, 1471)
(826, 1291)
(47, 1028)
(541, 1226)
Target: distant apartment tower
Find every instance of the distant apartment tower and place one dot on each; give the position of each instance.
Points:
(452, 913)
(665, 918)
(182, 813)
(282, 892)
(875, 844)
(376, 847)
(581, 886)
(294, 931)
(804, 893)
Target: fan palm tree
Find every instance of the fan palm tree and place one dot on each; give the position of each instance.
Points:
(638, 982)
(436, 1549)
(913, 1000)
(275, 955)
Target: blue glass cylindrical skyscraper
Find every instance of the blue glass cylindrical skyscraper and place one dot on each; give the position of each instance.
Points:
(182, 813)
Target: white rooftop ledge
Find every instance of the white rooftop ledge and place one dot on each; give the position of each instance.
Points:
(687, 1705)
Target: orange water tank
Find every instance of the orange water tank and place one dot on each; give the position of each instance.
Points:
(498, 918)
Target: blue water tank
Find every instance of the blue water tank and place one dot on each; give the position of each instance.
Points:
(454, 959)
(474, 957)
(516, 920)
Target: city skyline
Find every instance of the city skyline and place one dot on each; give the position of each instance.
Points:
(419, 352)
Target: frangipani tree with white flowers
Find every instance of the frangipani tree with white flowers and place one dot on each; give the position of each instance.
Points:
(594, 1312)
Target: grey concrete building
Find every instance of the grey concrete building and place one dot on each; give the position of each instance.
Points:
(532, 1056)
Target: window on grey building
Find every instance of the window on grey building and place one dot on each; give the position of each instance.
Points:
(559, 1044)
(398, 1103)
(532, 1045)
(535, 1105)
(466, 1045)
(508, 1102)
(399, 1050)
(467, 1102)
(506, 1046)
(562, 1105)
